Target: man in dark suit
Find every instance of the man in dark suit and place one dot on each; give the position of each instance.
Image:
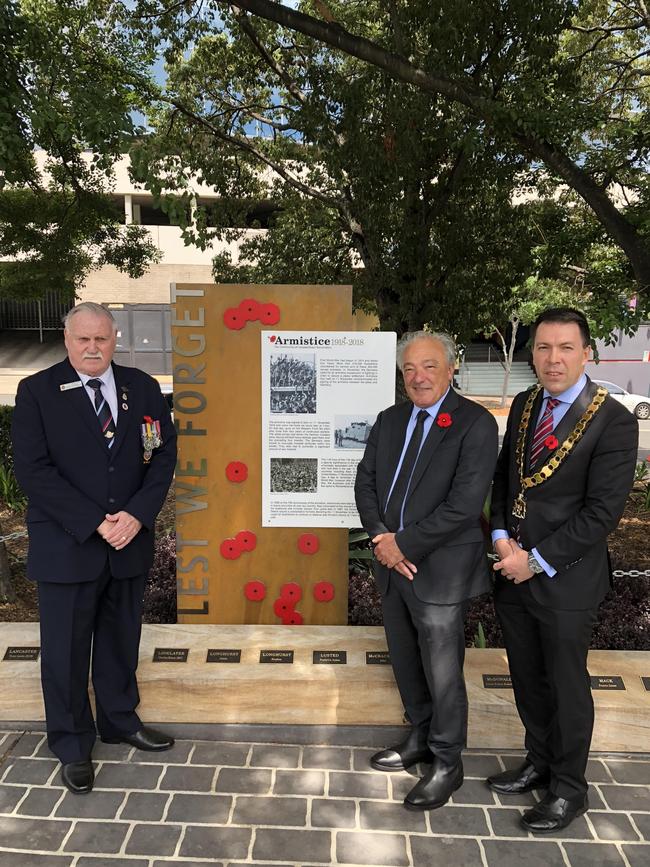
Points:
(420, 489)
(561, 483)
(94, 450)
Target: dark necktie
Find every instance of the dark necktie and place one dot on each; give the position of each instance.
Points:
(401, 486)
(103, 411)
(543, 429)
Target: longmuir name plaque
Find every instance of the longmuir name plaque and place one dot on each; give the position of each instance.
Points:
(277, 656)
(170, 654)
(330, 657)
(222, 654)
(24, 654)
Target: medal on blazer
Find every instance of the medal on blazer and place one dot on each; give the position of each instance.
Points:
(151, 436)
(549, 468)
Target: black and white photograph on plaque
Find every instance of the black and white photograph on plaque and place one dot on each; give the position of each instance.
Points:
(352, 431)
(293, 382)
(294, 475)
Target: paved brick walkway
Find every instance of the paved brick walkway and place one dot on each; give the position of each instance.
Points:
(245, 799)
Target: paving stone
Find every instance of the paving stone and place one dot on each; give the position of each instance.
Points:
(480, 766)
(253, 781)
(401, 784)
(177, 863)
(514, 853)
(204, 842)
(390, 817)
(250, 810)
(505, 823)
(144, 806)
(34, 772)
(177, 755)
(101, 837)
(445, 851)
(629, 772)
(526, 799)
(626, 797)
(638, 856)
(273, 844)
(220, 754)
(153, 840)
(40, 802)
(30, 859)
(112, 752)
(612, 826)
(101, 861)
(335, 813)
(474, 792)
(27, 745)
(597, 772)
(9, 797)
(329, 758)
(188, 779)
(102, 805)
(355, 847)
(19, 833)
(213, 809)
(275, 756)
(642, 821)
(458, 821)
(361, 760)
(126, 776)
(299, 783)
(588, 854)
(596, 801)
(350, 785)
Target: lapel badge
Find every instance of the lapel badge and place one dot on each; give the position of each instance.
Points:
(125, 406)
(66, 386)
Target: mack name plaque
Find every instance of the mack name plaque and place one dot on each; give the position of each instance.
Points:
(600, 681)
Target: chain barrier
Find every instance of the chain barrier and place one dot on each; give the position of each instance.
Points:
(17, 535)
(633, 573)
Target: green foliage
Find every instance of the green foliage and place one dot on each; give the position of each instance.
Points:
(359, 549)
(641, 488)
(10, 491)
(6, 414)
(479, 637)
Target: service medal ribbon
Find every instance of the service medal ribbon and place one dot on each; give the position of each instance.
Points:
(151, 436)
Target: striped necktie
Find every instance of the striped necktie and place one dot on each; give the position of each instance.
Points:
(543, 429)
(103, 411)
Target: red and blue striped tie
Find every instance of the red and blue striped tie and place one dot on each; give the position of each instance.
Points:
(103, 411)
(543, 429)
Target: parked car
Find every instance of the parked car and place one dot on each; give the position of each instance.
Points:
(636, 403)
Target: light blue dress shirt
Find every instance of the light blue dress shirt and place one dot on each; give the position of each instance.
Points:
(433, 412)
(565, 400)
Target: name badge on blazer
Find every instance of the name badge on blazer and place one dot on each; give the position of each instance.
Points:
(66, 386)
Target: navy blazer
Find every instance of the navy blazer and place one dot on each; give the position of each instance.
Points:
(442, 535)
(72, 479)
(569, 516)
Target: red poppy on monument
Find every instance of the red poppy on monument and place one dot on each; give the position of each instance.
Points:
(255, 591)
(250, 309)
(324, 591)
(269, 314)
(291, 592)
(246, 540)
(236, 471)
(233, 319)
(308, 543)
(230, 549)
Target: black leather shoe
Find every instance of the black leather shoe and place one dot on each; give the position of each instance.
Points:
(78, 777)
(146, 739)
(436, 787)
(553, 814)
(519, 780)
(409, 752)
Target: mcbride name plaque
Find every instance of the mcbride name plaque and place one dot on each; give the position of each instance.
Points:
(613, 681)
(377, 657)
(29, 654)
(497, 681)
(217, 654)
(330, 657)
(277, 656)
(170, 654)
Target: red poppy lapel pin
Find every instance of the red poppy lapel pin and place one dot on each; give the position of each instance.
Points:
(443, 419)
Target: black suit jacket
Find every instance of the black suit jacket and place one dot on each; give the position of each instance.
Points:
(72, 479)
(569, 516)
(442, 535)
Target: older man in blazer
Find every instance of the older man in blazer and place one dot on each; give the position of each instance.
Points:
(94, 450)
(420, 489)
(562, 480)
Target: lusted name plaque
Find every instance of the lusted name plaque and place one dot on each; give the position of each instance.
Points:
(497, 681)
(24, 654)
(277, 656)
(330, 657)
(613, 681)
(377, 657)
(170, 654)
(218, 654)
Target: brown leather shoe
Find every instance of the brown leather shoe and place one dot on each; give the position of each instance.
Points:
(525, 778)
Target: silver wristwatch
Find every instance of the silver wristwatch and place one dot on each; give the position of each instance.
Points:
(533, 564)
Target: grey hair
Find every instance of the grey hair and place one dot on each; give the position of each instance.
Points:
(92, 308)
(447, 341)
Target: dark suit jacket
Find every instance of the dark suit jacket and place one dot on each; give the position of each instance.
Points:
(442, 533)
(569, 516)
(72, 479)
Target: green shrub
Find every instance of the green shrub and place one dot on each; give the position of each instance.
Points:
(6, 454)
